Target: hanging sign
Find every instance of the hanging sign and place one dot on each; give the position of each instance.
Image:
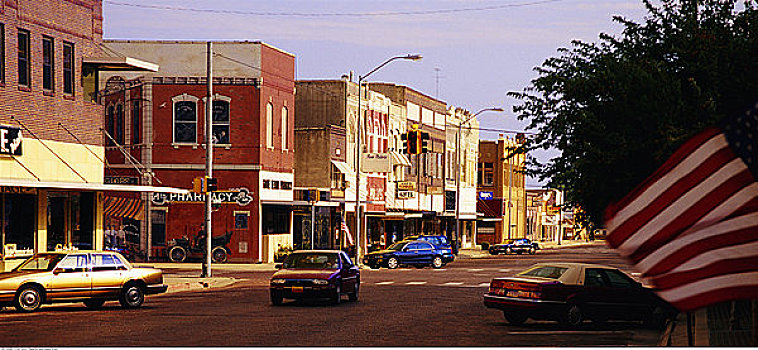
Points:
(10, 140)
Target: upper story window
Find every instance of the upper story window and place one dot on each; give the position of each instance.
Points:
(48, 64)
(24, 57)
(486, 174)
(2, 53)
(136, 121)
(110, 124)
(68, 68)
(270, 125)
(285, 116)
(221, 120)
(119, 136)
(185, 118)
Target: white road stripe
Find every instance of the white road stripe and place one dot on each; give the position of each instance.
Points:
(384, 283)
(415, 283)
(475, 270)
(452, 284)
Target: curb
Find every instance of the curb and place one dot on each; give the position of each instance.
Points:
(181, 284)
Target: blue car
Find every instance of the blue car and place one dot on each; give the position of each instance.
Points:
(438, 240)
(415, 253)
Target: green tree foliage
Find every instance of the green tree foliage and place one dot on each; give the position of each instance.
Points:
(617, 108)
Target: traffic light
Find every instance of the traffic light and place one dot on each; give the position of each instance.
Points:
(211, 184)
(197, 184)
(413, 142)
(404, 137)
(424, 136)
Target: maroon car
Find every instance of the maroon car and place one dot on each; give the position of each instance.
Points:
(309, 274)
(572, 292)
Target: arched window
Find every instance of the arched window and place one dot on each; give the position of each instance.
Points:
(221, 122)
(136, 122)
(270, 125)
(185, 118)
(110, 121)
(119, 124)
(284, 127)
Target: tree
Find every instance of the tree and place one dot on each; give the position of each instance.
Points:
(616, 109)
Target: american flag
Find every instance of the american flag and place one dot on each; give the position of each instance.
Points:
(344, 228)
(691, 228)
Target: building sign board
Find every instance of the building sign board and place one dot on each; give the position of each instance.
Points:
(375, 162)
(10, 140)
(121, 180)
(406, 185)
(486, 195)
(406, 194)
(241, 196)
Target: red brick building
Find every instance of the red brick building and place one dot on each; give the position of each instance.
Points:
(159, 119)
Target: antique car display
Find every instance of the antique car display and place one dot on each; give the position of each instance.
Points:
(415, 253)
(573, 292)
(181, 249)
(518, 246)
(311, 274)
(92, 277)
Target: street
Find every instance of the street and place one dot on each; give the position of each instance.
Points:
(404, 307)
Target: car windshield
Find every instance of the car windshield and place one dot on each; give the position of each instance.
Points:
(311, 261)
(397, 246)
(40, 262)
(553, 272)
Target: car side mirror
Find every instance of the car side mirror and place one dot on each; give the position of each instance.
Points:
(278, 266)
(57, 271)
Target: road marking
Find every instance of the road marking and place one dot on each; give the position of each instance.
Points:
(384, 283)
(415, 283)
(485, 284)
(477, 286)
(567, 332)
(452, 284)
(475, 270)
(506, 270)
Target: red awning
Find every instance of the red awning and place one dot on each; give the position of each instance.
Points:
(124, 207)
(492, 208)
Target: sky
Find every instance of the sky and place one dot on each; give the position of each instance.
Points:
(475, 51)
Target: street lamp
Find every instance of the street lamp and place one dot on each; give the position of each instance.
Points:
(359, 239)
(458, 169)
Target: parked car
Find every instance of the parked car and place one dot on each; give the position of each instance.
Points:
(415, 253)
(92, 277)
(315, 274)
(517, 246)
(573, 292)
(438, 240)
(181, 249)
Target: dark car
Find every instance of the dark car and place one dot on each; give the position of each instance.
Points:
(573, 292)
(315, 274)
(438, 240)
(517, 246)
(416, 253)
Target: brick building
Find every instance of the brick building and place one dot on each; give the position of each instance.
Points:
(51, 147)
(159, 119)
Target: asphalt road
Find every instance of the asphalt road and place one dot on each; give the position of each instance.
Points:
(404, 307)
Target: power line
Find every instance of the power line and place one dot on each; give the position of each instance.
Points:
(335, 14)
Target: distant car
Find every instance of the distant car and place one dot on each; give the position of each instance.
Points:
(92, 277)
(308, 274)
(517, 246)
(415, 253)
(572, 292)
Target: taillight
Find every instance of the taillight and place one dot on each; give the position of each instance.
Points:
(515, 289)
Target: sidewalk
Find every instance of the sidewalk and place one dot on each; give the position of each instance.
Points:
(478, 253)
(675, 333)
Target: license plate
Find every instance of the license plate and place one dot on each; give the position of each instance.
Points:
(513, 294)
(297, 289)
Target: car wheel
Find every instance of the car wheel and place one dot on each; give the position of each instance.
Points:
(132, 296)
(177, 254)
(515, 318)
(337, 294)
(532, 251)
(392, 263)
(354, 295)
(276, 298)
(437, 262)
(573, 316)
(28, 299)
(94, 303)
(493, 252)
(508, 251)
(219, 255)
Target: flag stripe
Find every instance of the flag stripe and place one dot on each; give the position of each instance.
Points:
(747, 291)
(702, 287)
(694, 212)
(684, 248)
(738, 251)
(680, 206)
(670, 188)
(686, 158)
(720, 268)
(743, 202)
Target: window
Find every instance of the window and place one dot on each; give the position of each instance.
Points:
(2, 53)
(68, 68)
(24, 57)
(158, 222)
(221, 122)
(74, 263)
(48, 66)
(270, 125)
(185, 119)
(593, 278)
(338, 178)
(106, 262)
(286, 185)
(110, 122)
(284, 127)
(241, 220)
(119, 124)
(136, 122)
(618, 279)
(486, 174)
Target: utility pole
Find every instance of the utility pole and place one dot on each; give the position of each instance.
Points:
(208, 159)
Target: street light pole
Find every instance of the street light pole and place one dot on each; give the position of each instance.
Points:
(458, 170)
(208, 159)
(359, 239)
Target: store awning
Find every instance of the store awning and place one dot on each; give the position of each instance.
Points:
(82, 186)
(124, 207)
(343, 167)
(120, 64)
(399, 159)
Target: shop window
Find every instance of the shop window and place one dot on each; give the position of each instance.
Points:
(276, 219)
(24, 58)
(221, 121)
(16, 209)
(185, 119)
(241, 220)
(70, 220)
(48, 71)
(68, 68)
(158, 227)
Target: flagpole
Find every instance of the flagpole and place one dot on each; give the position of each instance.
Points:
(689, 329)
